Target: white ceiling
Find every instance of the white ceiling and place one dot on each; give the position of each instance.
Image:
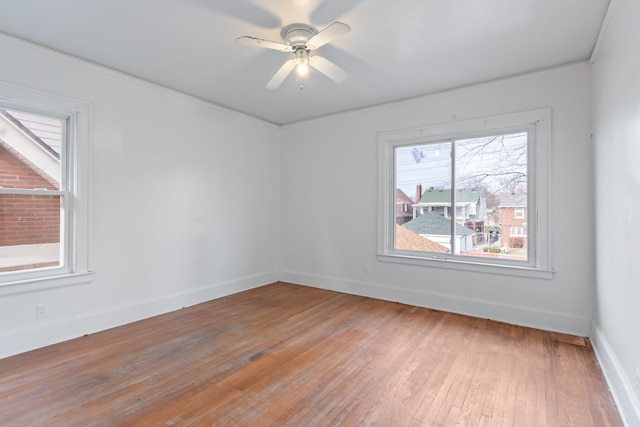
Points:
(396, 49)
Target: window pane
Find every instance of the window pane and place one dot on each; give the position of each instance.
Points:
(491, 196)
(423, 180)
(29, 231)
(30, 149)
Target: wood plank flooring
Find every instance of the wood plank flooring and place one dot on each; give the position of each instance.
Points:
(288, 355)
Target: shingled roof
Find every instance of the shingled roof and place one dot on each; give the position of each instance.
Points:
(512, 200)
(435, 224)
(410, 241)
(443, 197)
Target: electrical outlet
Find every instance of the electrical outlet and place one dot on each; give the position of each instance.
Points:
(42, 311)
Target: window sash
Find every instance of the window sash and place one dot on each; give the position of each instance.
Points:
(66, 238)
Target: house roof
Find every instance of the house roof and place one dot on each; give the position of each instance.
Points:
(410, 241)
(512, 200)
(435, 224)
(443, 197)
(46, 131)
(19, 138)
(401, 197)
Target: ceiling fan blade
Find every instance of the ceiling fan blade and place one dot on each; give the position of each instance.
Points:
(281, 74)
(254, 41)
(328, 68)
(325, 36)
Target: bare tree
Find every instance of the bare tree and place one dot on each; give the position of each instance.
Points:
(497, 163)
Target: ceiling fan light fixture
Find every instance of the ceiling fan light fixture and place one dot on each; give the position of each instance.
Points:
(302, 70)
(302, 61)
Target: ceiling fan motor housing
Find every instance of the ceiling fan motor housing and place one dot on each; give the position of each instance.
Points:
(297, 35)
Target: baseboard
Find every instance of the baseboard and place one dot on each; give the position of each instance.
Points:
(20, 340)
(620, 385)
(517, 315)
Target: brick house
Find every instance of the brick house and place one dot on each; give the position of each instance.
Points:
(404, 207)
(512, 217)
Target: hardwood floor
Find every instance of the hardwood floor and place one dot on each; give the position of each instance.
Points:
(287, 355)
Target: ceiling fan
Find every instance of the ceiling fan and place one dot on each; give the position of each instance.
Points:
(301, 39)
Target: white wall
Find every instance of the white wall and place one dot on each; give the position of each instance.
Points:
(329, 205)
(184, 201)
(616, 323)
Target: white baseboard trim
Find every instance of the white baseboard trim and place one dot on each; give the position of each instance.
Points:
(620, 385)
(517, 315)
(28, 338)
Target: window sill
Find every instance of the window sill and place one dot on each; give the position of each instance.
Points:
(48, 282)
(474, 267)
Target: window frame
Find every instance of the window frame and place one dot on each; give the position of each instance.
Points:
(538, 124)
(74, 268)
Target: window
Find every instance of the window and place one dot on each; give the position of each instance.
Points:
(518, 231)
(43, 207)
(466, 178)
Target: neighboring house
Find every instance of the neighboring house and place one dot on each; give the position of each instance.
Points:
(409, 241)
(470, 204)
(437, 228)
(404, 207)
(29, 224)
(512, 210)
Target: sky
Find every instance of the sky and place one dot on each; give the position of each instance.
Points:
(497, 163)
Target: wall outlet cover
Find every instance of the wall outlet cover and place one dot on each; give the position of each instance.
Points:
(42, 311)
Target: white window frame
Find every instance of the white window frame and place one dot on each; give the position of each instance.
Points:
(518, 232)
(538, 125)
(518, 213)
(74, 268)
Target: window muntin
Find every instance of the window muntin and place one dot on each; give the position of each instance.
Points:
(520, 171)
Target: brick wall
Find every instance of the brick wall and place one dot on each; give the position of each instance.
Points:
(26, 219)
(507, 221)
